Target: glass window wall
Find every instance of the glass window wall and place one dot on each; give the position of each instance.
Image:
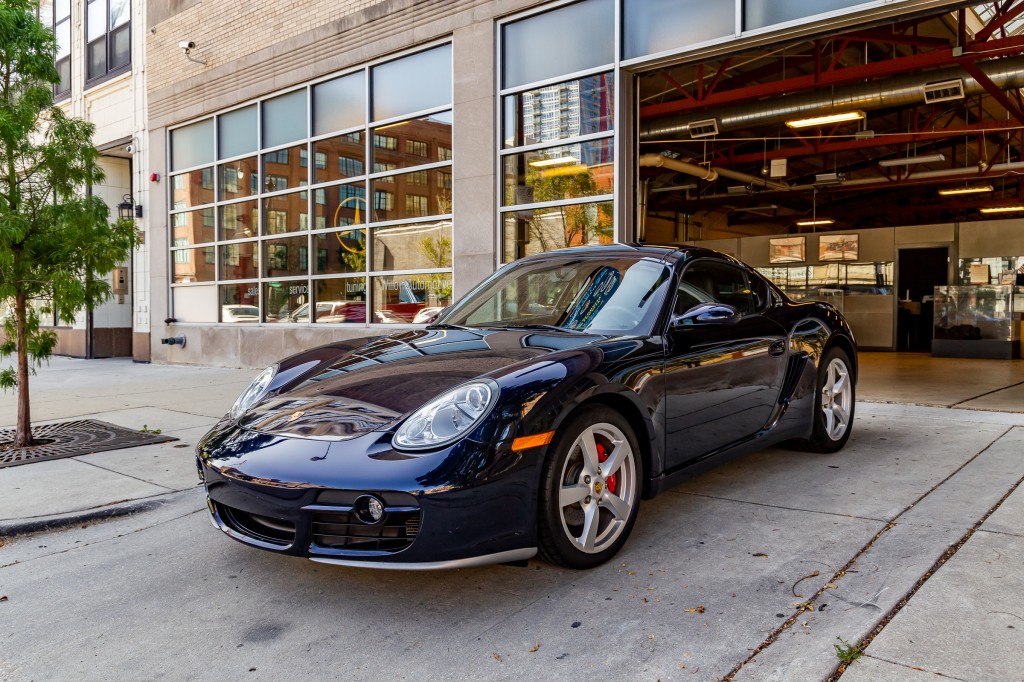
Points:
(557, 155)
(240, 217)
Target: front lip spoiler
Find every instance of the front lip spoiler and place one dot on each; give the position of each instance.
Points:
(468, 562)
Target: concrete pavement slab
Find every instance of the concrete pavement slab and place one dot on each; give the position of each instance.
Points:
(931, 413)
(64, 486)
(920, 379)
(871, 669)
(166, 465)
(967, 621)
(176, 595)
(1008, 399)
(976, 488)
(890, 567)
(1009, 518)
(168, 421)
(882, 469)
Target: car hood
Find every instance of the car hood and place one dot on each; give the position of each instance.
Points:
(373, 386)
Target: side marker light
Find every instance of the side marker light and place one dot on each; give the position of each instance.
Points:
(534, 441)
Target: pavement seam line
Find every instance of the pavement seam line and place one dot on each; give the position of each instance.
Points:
(943, 558)
(838, 575)
(982, 395)
(141, 480)
(910, 667)
(776, 506)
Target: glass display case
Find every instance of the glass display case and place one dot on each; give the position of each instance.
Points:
(978, 321)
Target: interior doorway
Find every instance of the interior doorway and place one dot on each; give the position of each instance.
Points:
(919, 271)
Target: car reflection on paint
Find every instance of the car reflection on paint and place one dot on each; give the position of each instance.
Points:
(532, 416)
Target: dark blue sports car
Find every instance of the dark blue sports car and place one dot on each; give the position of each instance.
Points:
(530, 417)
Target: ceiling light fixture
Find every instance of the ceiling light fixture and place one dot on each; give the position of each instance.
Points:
(829, 119)
(974, 189)
(816, 221)
(909, 160)
(1003, 209)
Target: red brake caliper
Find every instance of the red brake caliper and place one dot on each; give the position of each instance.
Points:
(602, 456)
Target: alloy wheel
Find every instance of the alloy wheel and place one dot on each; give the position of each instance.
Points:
(598, 488)
(836, 399)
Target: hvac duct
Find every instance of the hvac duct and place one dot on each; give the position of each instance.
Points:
(899, 91)
(709, 174)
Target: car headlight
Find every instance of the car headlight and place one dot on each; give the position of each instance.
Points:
(256, 390)
(447, 417)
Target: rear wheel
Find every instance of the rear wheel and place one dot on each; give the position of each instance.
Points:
(590, 490)
(834, 402)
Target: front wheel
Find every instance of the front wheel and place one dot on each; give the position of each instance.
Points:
(590, 490)
(834, 402)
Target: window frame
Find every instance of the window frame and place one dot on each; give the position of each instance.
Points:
(365, 278)
(108, 34)
(59, 95)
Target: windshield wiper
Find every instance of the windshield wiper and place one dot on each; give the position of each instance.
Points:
(544, 327)
(445, 325)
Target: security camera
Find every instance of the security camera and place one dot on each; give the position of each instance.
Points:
(186, 45)
(130, 148)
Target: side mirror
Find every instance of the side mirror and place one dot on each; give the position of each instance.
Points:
(707, 313)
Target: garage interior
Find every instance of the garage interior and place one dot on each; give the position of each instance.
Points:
(876, 132)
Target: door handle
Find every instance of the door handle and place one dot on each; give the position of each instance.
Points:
(777, 348)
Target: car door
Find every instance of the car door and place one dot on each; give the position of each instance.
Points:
(723, 373)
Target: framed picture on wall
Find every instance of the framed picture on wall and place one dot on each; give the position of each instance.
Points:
(838, 247)
(787, 250)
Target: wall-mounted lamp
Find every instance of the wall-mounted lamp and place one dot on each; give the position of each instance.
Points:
(128, 208)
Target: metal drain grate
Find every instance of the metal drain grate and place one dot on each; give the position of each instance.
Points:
(71, 439)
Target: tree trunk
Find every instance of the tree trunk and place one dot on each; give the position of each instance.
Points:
(23, 434)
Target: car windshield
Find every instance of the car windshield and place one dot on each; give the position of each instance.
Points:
(582, 294)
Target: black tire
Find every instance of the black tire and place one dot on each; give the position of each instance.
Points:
(609, 495)
(825, 436)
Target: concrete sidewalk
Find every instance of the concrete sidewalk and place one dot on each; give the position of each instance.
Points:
(963, 620)
(183, 402)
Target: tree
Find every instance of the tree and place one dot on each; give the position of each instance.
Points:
(56, 240)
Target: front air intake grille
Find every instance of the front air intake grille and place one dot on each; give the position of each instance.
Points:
(262, 528)
(343, 530)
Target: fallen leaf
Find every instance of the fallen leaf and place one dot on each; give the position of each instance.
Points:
(762, 555)
(535, 648)
(632, 572)
(831, 586)
(496, 656)
(3, 598)
(696, 609)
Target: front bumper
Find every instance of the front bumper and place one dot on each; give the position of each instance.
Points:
(471, 504)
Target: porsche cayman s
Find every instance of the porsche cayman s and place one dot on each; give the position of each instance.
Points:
(532, 416)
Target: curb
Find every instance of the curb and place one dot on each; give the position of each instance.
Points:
(39, 524)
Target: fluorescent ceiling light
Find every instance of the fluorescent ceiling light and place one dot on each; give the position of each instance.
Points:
(560, 161)
(930, 158)
(1003, 209)
(819, 221)
(974, 189)
(826, 120)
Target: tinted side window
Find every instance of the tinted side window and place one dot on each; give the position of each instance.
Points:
(724, 283)
(759, 290)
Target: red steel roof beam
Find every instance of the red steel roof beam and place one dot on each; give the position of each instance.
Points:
(1004, 15)
(994, 91)
(937, 58)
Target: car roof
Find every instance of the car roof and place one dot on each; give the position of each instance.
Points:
(667, 253)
